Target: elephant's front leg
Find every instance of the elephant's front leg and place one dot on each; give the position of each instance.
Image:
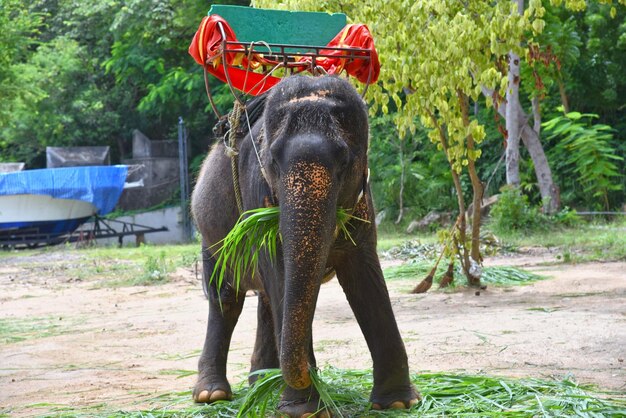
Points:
(212, 384)
(361, 277)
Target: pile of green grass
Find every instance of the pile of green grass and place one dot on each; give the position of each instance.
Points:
(443, 395)
(495, 276)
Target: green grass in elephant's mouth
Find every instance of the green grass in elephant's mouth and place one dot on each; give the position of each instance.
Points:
(257, 230)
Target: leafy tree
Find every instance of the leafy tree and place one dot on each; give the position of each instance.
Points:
(407, 175)
(87, 72)
(443, 78)
(445, 54)
(597, 83)
(17, 30)
(64, 107)
(152, 62)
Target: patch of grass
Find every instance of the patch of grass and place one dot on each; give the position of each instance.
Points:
(110, 266)
(414, 270)
(495, 276)
(142, 266)
(179, 373)
(443, 395)
(155, 270)
(546, 310)
(178, 357)
(13, 330)
(389, 238)
(581, 295)
(584, 242)
(262, 398)
(588, 241)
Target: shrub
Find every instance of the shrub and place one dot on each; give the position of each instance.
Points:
(155, 270)
(585, 157)
(513, 212)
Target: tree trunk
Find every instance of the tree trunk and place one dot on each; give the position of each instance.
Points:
(462, 222)
(513, 114)
(547, 188)
(477, 188)
(536, 115)
(401, 192)
(564, 100)
(513, 122)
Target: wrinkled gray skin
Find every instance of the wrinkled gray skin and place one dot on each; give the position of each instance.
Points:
(313, 140)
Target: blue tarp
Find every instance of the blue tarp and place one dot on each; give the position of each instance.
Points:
(98, 185)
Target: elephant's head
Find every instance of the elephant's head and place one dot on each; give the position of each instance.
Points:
(316, 134)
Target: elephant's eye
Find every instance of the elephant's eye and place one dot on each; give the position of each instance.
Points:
(346, 159)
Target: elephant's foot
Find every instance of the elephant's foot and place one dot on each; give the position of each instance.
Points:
(205, 392)
(303, 409)
(403, 399)
(302, 404)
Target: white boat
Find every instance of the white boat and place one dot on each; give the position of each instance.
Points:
(43, 213)
(48, 203)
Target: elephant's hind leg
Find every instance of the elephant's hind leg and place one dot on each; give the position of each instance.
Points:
(225, 306)
(265, 355)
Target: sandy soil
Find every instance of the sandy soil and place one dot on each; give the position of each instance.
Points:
(123, 346)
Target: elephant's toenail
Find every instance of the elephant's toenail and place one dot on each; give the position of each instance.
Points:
(203, 396)
(397, 405)
(218, 395)
(376, 406)
(413, 402)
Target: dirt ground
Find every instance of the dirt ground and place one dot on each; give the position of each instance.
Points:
(123, 346)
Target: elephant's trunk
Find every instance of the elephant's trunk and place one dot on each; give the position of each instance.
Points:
(307, 224)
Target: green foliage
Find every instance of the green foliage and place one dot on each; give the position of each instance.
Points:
(585, 158)
(496, 276)
(597, 84)
(257, 230)
(513, 212)
(413, 165)
(64, 107)
(261, 399)
(90, 72)
(559, 47)
(155, 269)
(443, 394)
(18, 27)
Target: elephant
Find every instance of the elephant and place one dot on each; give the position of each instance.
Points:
(306, 152)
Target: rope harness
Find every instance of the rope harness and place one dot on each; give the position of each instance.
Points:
(231, 151)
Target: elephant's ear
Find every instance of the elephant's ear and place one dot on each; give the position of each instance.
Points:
(362, 208)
